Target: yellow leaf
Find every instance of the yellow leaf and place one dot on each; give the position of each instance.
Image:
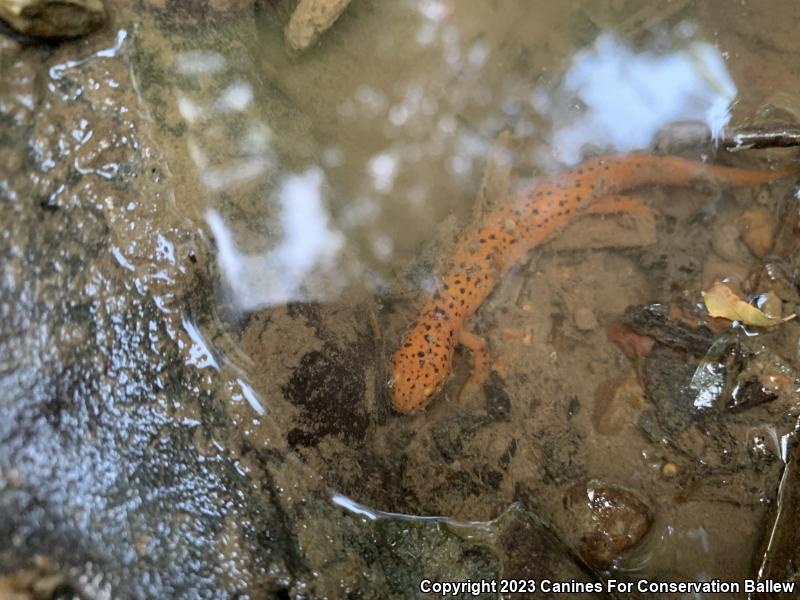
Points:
(720, 301)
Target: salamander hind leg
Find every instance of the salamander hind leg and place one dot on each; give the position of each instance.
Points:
(480, 360)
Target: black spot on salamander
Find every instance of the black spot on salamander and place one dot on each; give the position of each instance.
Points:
(535, 211)
(578, 184)
(561, 203)
(491, 237)
(579, 171)
(452, 305)
(462, 290)
(427, 327)
(549, 192)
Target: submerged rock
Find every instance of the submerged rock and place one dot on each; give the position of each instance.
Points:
(53, 19)
(757, 230)
(607, 521)
(310, 20)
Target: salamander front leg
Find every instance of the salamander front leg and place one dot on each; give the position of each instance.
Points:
(480, 359)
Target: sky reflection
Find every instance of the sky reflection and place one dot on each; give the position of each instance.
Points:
(307, 245)
(627, 96)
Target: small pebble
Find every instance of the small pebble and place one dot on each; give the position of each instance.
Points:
(669, 470)
(757, 230)
(310, 20)
(584, 319)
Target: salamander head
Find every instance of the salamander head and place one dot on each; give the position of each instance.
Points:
(421, 366)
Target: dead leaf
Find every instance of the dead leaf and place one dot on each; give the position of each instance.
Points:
(720, 301)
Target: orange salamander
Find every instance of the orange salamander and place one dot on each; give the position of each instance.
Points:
(485, 250)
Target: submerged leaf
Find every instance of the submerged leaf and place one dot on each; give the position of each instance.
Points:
(720, 301)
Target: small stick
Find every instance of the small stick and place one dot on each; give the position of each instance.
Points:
(761, 137)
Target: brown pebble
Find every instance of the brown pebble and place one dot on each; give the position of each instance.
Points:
(310, 20)
(669, 470)
(604, 521)
(757, 230)
(584, 319)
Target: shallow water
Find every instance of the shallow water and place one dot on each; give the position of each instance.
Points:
(330, 186)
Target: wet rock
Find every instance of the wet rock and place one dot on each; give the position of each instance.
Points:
(310, 20)
(757, 230)
(780, 552)
(667, 375)
(584, 319)
(53, 19)
(656, 321)
(751, 393)
(533, 551)
(607, 521)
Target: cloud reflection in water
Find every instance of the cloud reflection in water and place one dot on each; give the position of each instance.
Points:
(630, 95)
(283, 274)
